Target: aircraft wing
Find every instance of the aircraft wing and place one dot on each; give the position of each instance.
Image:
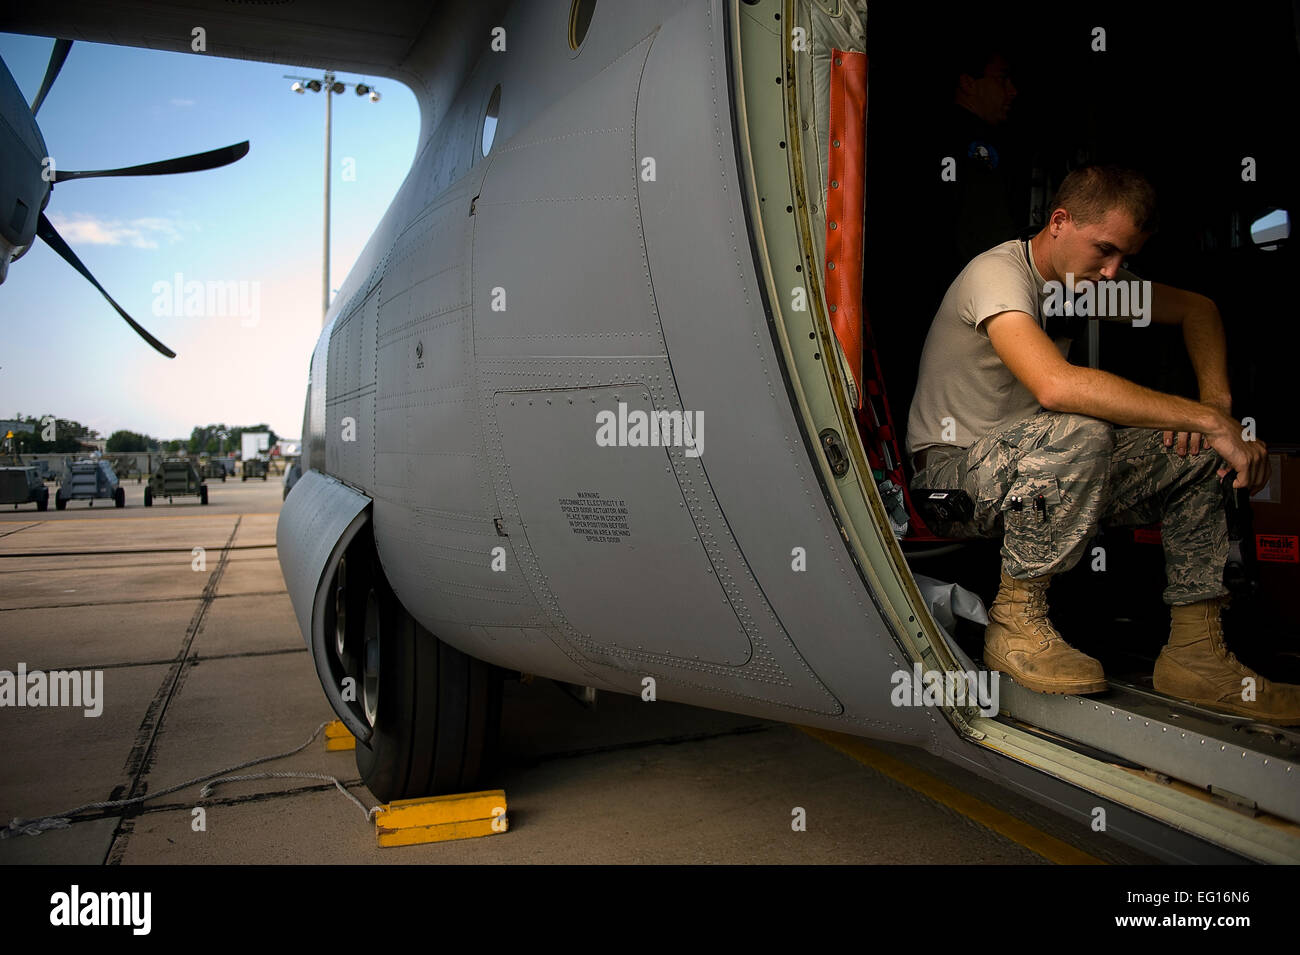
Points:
(391, 38)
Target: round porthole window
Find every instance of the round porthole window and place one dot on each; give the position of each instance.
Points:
(579, 20)
(490, 120)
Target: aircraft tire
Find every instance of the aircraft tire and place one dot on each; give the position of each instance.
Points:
(438, 712)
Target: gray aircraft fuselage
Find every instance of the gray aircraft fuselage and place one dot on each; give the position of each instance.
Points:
(505, 303)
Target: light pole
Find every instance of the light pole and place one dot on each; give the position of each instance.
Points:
(300, 85)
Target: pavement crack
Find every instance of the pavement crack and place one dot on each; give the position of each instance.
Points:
(140, 759)
(136, 550)
(23, 528)
(193, 660)
(143, 600)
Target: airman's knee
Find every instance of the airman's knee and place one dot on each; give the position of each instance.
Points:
(1086, 436)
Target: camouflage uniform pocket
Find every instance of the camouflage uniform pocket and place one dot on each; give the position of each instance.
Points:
(991, 479)
(1029, 513)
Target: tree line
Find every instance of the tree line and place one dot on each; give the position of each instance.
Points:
(69, 436)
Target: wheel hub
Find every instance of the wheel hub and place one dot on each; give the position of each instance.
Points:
(370, 679)
(341, 608)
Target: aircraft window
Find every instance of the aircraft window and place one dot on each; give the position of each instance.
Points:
(579, 20)
(490, 120)
(1270, 227)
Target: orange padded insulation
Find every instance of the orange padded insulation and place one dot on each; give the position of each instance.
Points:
(844, 204)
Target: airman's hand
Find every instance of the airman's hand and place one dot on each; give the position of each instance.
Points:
(1187, 440)
(1248, 458)
(1191, 440)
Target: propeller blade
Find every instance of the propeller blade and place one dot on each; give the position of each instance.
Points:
(46, 231)
(196, 163)
(57, 56)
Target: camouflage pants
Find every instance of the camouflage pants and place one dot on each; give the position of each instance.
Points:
(1087, 473)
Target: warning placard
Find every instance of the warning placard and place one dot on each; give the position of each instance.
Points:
(1282, 548)
(597, 519)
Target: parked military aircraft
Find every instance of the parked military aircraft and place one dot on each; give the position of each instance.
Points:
(632, 227)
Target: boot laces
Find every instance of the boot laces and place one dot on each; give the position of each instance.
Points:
(1217, 642)
(1036, 614)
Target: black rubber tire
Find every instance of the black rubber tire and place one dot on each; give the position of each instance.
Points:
(60, 503)
(263, 477)
(439, 712)
(148, 497)
(119, 498)
(203, 494)
(43, 502)
(244, 478)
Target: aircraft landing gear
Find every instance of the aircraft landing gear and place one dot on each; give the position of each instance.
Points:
(436, 712)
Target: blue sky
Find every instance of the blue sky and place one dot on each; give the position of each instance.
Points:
(63, 349)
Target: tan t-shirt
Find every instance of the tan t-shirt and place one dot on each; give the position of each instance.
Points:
(961, 376)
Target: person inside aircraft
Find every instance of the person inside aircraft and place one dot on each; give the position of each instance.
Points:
(1047, 451)
(981, 201)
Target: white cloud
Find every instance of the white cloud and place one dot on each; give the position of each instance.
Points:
(177, 101)
(141, 233)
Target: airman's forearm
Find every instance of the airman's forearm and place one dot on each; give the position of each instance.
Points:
(1207, 349)
(1100, 394)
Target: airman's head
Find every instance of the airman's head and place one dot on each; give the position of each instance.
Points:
(985, 88)
(1102, 215)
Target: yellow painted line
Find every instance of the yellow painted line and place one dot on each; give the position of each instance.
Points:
(990, 817)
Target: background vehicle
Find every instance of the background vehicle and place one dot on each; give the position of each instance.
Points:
(212, 468)
(88, 481)
(22, 484)
(175, 477)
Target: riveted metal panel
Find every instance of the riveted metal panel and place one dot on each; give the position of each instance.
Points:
(350, 400)
(611, 530)
(426, 436)
(711, 308)
(571, 173)
(1250, 760)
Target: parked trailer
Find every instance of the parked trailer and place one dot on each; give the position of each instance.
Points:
(212, 468)
(175, 477)
(86, 481)
(22, 484)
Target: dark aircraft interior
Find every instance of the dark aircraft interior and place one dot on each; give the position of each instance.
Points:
(1185, 95)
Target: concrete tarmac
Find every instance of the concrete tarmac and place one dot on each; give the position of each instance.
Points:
(183, 609)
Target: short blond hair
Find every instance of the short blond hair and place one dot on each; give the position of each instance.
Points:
(1089, 192)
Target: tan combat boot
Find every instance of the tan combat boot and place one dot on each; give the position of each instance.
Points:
(1022, 643)
(1197, 667)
